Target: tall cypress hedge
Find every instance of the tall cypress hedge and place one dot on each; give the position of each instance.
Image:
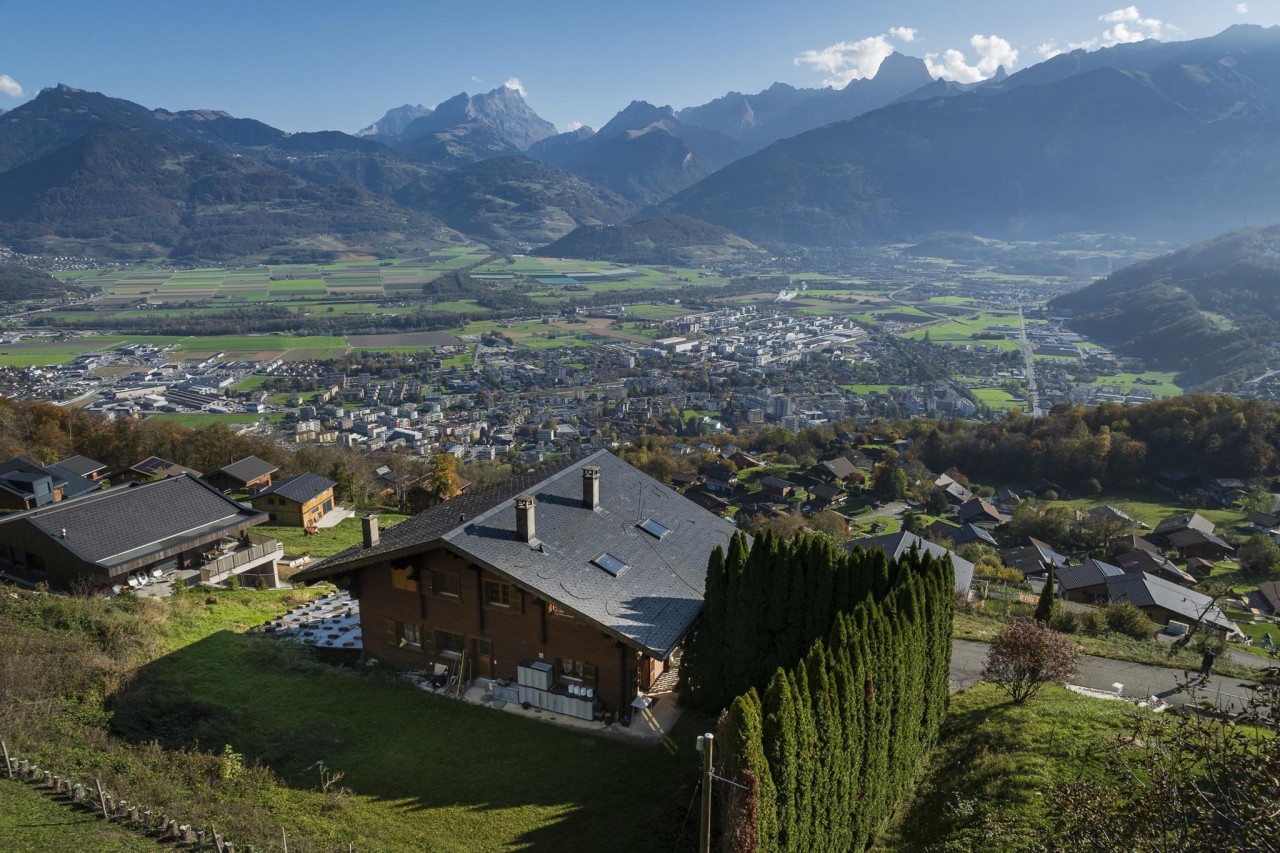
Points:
(834, 668)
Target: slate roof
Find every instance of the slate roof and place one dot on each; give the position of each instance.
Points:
(978, 509)
(840, 467)
(248, 469)
(122, 526)
(1189, 520)
(897, 545)
(1270, 592)
(76, 485)
(1156, 564)
(154, 466)
(81, 466)
(28, 479)
(1146, 590)
(1191, 537)
(1090, 573)
(300, 488)
(651, 605)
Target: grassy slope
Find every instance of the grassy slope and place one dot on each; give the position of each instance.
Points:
(31, 822)
(423, 772)
(996, 761)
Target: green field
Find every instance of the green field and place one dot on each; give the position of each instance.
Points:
(327, 541)
(999, 399)
(966, 330)
(33, 822)
(1164, 384)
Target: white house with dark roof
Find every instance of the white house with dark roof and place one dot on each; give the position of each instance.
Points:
(590, 574)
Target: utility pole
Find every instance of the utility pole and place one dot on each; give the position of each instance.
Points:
(705, 744)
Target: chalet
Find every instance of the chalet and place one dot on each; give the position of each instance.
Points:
(83, 466)
(298, 501)
(902, 543)
(681, 479)
(1137, 543)
(777, 488)
(1199, 568)
(1163, 602)
(825, 495)
(26, 484)
(956, 494)
(1197, 543)
(709, 502)
(1264, 522)
(719, 478)
(745, 460)
(152, 468)
(1034, 558)
(1087, 582)
(591, 575)
(837, 470)
(1114, 514)
(1006, 500)
(1176, 523)
(250, 474)
(961, 535)
(178, 525)
(1267, 598)
(1226, 490)
(1155, 564)
(979, 512)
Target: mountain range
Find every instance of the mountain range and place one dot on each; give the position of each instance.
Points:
(1172, 141)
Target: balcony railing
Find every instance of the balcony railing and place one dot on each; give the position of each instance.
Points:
(216, 569)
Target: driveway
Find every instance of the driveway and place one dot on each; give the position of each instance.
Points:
(1139, 680)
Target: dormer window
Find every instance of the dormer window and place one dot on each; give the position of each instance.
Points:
(654, 528)
(610, 564)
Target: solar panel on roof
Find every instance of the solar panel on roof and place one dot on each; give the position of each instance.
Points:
(654, 528)
(610, 564)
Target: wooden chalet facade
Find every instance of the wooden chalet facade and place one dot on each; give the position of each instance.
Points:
(594, 570)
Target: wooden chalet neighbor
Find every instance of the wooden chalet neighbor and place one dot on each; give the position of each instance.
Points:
(26, 484)
(248, 474)
(594, 569)
(298, 501)
(152, 468)
(176, 524)
(83, 466)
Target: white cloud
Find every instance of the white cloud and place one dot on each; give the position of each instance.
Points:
(475, 79)
(1242, 8)
(1128, 26)
(514, 84)
(574, 125)
(992, 52)
(10, 87)
(846, 61)
(1049, 49)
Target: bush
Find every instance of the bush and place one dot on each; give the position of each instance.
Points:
(1091, 621)
(1025, 656)
(1124, 618)
(1061, 619)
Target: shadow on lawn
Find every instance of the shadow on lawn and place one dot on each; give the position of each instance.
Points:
(278, 704)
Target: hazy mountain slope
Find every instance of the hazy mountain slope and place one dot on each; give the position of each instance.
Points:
(503, 110)
(391, 127)
(1204, 310)
(662, 240)
(514, 199)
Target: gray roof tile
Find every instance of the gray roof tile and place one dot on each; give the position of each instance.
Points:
(300, 488)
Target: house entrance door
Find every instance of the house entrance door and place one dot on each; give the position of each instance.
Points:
(484, 658)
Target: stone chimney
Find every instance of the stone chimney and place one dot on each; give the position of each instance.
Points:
(591, 487)
(525, 528)
(369, 527)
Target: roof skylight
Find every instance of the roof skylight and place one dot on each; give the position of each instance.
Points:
(610, 564)
(655, 529)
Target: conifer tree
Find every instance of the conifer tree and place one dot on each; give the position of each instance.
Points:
(1044, 607)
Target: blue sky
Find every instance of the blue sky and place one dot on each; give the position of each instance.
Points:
(322, 64)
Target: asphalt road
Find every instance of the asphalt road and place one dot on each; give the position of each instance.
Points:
(1139, 680)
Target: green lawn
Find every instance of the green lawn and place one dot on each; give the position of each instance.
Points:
(1151, 507)
(996, 762)
(32, 822)
(325, 542)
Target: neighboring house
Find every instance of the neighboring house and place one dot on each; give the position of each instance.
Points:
(1164, 601)
(979, 512)
(1087, 582)
(776, 487)
(26, 484)
(1137, 543)
(1006, 500)
(83, 466)
(745, 460)
(179, 524)
(900, 544)
(709, 502)
(1267, 598)
(956, 494)
(837, 470)
(249, 474)
(1197, 543)
(719, 479)
(1034, 558)
(682, 480)
(1226, 490)
(1186, 521)
(1155, 564)
(824, 495)
(592, 574)
(1111, 513)
(152, 468)
(1199, 568)
(298, 501)
(1264, 522)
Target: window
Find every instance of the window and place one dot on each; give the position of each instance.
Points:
(655, 529)
(403, 578)
(498, 594)
(445, 583)
(449, 644)
(576, 671)
(411, 635)
(610, 564)
(557, 610)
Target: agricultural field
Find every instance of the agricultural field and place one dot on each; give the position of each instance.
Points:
(979, 329)
(999, 399)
